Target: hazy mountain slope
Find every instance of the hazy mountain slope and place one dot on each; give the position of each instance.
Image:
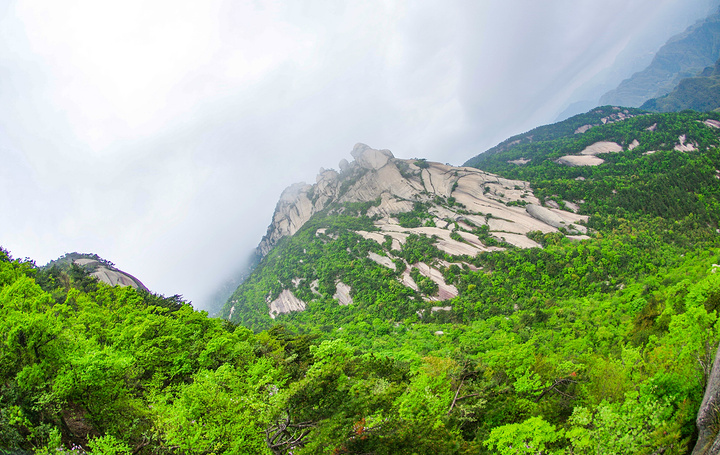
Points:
(400, 258)
(566, 343)
(683, 56)
(577, 124)
(700, 93)
(663, 159)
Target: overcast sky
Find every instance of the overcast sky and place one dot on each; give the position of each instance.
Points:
(159, 134)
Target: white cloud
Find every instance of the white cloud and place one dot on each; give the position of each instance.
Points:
(159, 134)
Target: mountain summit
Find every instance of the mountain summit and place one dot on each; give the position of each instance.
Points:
(382, 206)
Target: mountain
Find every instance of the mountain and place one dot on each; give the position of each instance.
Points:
(683, 56)
(562, 297)
(585, 241)
(366, 229)
(699, 93)
(97, 267)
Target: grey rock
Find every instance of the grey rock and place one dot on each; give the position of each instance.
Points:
(708, 442)
(344, 165)
(369, 158)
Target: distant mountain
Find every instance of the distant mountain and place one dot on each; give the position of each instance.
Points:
(700, 93)
(99, 268)
(683, 56)
(577, 124)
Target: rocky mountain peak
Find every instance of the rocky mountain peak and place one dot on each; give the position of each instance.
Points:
(102, 269)
(467, 211)
(369, 158)
(398, 184)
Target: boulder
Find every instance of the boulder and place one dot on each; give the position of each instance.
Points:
(344, 165)
(369, 158)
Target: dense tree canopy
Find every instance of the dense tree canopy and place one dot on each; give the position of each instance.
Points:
(595, 346)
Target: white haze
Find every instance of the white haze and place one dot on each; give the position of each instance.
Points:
(159, 134)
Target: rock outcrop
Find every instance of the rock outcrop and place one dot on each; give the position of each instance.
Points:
(588, 156)
(369, 158)
(105, 271)
(285, 303)
(110, 275)
(458, 201)
(342, 293)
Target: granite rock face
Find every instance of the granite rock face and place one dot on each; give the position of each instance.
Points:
(369, 158)
(458, 200)
(110, 275)
(285, 303)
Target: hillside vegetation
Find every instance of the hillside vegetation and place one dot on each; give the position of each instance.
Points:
(583, 344)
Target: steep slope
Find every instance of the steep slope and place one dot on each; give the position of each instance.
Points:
(383, 214)
(700, 93)
(683, 56)
(393, 237)
(597, 344)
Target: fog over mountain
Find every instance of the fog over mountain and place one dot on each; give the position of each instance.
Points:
(159, 135)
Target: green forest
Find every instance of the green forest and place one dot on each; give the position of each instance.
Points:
(598, 346)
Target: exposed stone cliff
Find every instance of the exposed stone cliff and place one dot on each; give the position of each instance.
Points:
(100, 268)
(457, 200)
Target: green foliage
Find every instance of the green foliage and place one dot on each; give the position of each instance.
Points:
(595, 346)
(547, 133)
(108, 445)
(427, 286)
(630, 184)
(415, 218)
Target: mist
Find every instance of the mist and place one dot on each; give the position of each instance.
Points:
(160, 135)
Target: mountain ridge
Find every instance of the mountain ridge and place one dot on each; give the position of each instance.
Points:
(683, 56)
(102, 269)
(699, 93)
(463, 210)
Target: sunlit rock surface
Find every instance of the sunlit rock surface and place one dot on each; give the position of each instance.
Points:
(459, 201)
(285, 303)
